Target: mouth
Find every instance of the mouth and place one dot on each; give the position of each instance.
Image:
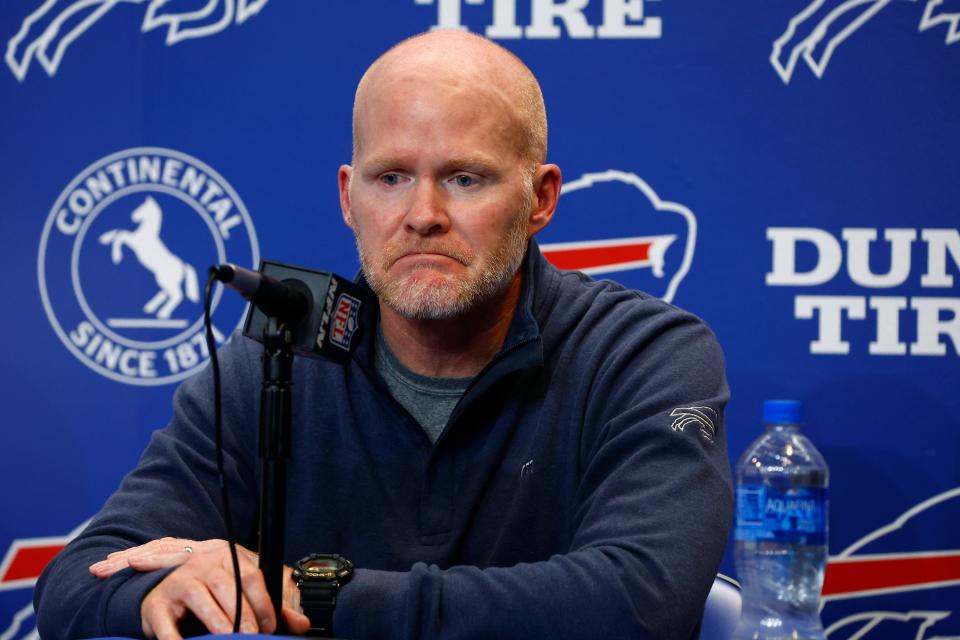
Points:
(430, 257)
(426, 259)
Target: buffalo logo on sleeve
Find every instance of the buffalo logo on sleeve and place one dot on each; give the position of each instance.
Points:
(703, 417)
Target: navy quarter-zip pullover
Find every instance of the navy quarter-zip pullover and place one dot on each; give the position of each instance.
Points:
(581, 488)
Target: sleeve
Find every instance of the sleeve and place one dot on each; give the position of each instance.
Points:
(652, 514)
(173, 491)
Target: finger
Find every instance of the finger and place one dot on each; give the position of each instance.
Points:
(252, 619)
(103, 569)
(291, 594)
(115, 561)
(251, 556)
(140, 548)
(159, 621)
(150, 561)
(156, 561)
(197, 597)
(297, 623)
(119, 560)
(255, 590)
(224, 547)
(171, 545)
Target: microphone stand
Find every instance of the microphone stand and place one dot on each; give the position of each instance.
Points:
(274, 450)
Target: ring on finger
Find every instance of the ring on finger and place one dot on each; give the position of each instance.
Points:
(188, 548)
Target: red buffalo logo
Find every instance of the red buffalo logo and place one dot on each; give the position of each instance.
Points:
(635, 230)
(852, 574)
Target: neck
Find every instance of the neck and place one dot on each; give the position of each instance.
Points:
(456, 347)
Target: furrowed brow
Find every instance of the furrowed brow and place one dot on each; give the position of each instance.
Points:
(474, 164)
(375, 166)
(479, 164)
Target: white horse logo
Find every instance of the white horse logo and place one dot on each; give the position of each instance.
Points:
(174, 276)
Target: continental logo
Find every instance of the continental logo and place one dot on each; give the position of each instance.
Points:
(122, 257)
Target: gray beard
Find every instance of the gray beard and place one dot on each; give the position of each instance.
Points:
(451, 298)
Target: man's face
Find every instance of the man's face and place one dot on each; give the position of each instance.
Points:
(439, 196)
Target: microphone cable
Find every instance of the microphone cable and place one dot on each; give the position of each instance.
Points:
(218, 430)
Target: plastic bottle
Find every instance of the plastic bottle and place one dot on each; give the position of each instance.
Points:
(781, 530)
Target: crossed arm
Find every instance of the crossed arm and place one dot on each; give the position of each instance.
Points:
(202, 583)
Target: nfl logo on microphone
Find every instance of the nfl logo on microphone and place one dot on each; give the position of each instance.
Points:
(344, 321)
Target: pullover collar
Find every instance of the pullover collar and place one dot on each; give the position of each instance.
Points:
(523, 346)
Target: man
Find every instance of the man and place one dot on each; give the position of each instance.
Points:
(498, 459)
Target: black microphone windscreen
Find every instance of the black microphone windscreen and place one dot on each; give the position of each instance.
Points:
(332, 326)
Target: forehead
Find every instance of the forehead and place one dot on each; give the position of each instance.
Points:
(438, 107)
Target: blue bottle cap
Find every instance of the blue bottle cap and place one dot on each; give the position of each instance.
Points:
(782, 411)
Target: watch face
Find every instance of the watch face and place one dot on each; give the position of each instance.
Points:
(324, 567)
(321, 567)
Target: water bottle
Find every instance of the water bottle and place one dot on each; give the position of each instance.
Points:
(781, 530)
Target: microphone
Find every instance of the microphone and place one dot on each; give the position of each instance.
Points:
(322, 309)
(288, 300)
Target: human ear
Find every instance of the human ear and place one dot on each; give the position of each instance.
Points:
(547, 180)
(343, 183)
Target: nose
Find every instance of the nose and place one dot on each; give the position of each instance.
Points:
(427, 214)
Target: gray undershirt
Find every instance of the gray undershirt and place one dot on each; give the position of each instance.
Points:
(429, 400)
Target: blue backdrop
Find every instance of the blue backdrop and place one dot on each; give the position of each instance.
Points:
(787, 169)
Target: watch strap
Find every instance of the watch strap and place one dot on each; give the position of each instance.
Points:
(318, 602)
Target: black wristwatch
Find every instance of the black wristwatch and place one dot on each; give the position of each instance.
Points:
(319, 578)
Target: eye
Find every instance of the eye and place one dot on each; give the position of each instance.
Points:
(464, 180)
(390, 179)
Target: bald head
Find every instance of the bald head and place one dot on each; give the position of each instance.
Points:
(459, 58)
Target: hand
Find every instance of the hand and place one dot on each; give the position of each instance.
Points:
(158, 554)
(203, 584)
